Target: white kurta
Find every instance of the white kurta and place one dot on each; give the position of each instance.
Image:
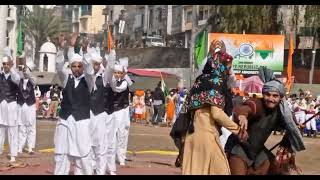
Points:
(123, 118)
(100, 131)
(311, 125)
(27, 126)
(8, 120)
(118, 139)
(72, 138)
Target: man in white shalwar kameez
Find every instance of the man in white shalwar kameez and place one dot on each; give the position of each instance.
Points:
(72, 137)
(100, 120)
(118, 139)
(27, 112)
(8, 121)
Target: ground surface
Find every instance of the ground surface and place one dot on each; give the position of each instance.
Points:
(150, 151)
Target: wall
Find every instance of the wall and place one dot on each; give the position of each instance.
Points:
(156, 57)
(96, 20)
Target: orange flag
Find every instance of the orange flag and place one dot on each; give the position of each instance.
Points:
(289, 68)
(110, 41)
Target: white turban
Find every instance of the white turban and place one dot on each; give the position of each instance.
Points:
(5, 59)
(118, 67)
(96, 57)
(75, 58)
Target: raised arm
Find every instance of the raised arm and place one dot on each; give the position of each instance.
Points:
(31, 78)
(110, 58)
(15, 77)
(61, 70)
(88, 69)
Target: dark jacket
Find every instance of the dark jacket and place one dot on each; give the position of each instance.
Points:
(158, 95)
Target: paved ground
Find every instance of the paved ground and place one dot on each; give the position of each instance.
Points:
(151, 151)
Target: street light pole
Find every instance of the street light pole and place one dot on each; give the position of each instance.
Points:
(313, 56)
(313, 51)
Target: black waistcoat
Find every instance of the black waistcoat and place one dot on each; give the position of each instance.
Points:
(109, 100)
(121, 100)
(76, 101)
(9, 89)
(26, 96)
(97, 97)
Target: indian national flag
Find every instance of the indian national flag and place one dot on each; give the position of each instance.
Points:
(163, 86)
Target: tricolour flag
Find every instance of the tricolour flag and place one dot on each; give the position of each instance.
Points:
(163, 86)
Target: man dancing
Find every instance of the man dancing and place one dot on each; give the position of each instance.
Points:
(27, 111)
(262, 116)
(72, 137)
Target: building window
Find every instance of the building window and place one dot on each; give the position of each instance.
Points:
(150, 18)
(142, 20)
(7, 37)
(189, 16)
(45, 63)
(111, 15)
(9, 10)
(160, 15)
(206, 14)
(203, 13)
(86, 10)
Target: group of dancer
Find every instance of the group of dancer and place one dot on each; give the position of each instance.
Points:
(17, 108)
(93, 126)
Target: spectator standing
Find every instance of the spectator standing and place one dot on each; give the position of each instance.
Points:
(158, 102)
(54, 96)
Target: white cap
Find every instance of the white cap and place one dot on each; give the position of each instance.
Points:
(96, 57)
(75, 58)
(5, 59)
(118, 67)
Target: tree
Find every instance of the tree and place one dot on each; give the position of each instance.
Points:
(252, 19)
(40, 24)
